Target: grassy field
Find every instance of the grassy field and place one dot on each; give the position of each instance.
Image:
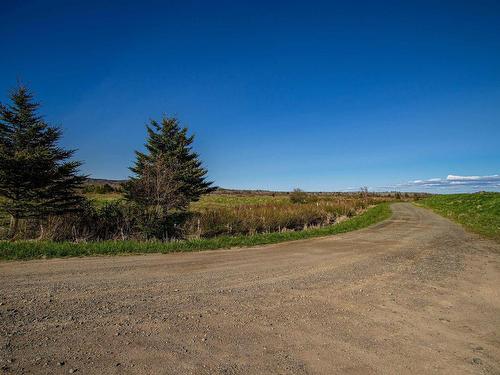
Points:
(206, 201)
(45, 249)
(102, 199)
(226, 200)
(480, 213)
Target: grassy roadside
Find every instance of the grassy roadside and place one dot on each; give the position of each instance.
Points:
(35, 249)
(479, 213)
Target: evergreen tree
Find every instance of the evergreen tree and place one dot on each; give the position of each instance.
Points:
(36, 177)
(169, 143)
(159, 186)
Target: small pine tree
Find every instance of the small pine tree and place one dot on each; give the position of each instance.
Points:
(36, 177)
(169, 143)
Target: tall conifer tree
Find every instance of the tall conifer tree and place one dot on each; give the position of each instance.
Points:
(36, 176)
(169, 143)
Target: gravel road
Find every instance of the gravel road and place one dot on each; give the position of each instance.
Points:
(415, 294)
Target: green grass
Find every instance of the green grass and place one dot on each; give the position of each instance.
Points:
(480, 213)
(232, 200)
(206, 201)
(36, 249)
(101, 199)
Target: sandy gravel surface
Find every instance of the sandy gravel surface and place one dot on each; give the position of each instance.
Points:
(413, 295)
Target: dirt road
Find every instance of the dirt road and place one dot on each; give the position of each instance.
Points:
(413, 295)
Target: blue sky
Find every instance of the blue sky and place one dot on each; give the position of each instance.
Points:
(318, 95)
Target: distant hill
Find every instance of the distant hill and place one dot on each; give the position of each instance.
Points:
(117, 183)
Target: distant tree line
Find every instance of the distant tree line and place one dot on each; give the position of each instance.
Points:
(40, 181)
(101, 188)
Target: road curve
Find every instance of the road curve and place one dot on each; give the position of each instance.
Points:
(415, 294)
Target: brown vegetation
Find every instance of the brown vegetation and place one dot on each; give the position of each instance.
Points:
(113, 218)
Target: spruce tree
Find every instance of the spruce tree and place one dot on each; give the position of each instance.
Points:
(170, 143)
(37, 178)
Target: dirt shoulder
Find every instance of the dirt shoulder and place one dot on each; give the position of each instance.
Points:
(414, 294)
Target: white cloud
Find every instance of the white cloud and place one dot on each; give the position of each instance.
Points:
(452, 177)
(451, 183)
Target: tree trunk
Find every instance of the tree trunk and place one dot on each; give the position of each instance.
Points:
(41, 232)
(14, 225)
(166, 226)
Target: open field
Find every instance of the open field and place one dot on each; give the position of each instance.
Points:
(478, 212)
(101, 199)
(228, 198)
(109, 224)
(415, 294)
(206, 201)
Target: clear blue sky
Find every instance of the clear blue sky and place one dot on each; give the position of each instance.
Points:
(318, 95)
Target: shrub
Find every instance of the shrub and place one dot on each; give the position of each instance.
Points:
(298, 196)
(116, 220)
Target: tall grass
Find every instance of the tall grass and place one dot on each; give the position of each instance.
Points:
(249, 219)
(215, 215)
(49, 249)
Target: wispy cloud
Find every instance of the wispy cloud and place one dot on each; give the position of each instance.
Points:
(451, 183)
